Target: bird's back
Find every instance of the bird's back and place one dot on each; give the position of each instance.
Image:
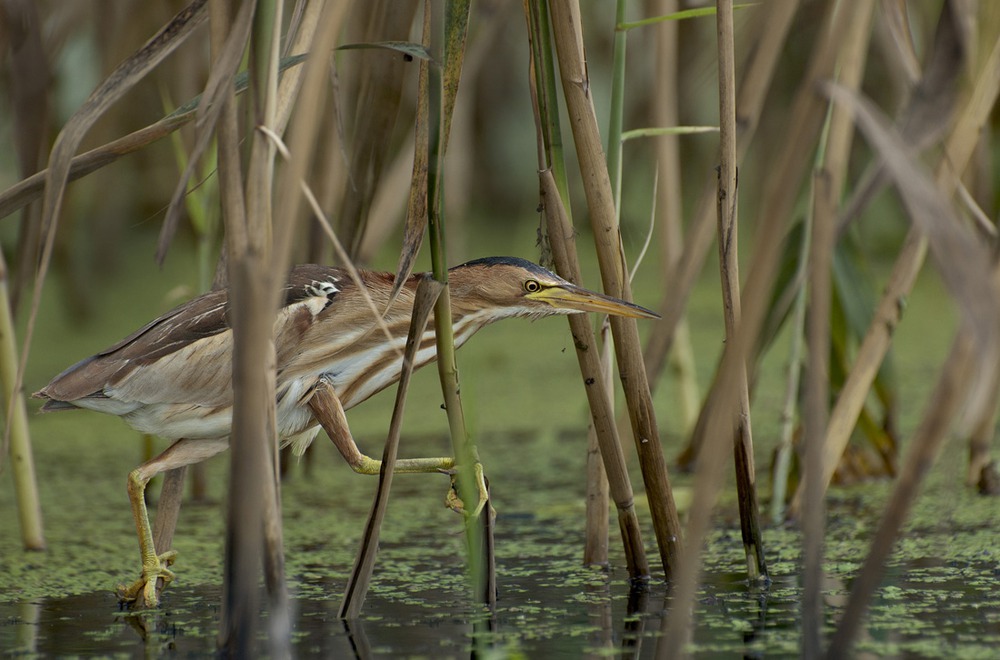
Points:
(181, 363)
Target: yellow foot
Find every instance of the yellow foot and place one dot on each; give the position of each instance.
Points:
(454, 502)
(143, 593)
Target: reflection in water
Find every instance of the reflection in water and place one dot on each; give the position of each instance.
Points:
(549, 605)
(544, 612)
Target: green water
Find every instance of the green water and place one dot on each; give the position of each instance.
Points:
(941, 595)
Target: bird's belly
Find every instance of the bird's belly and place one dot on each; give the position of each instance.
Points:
(184, 420)
(180, 420)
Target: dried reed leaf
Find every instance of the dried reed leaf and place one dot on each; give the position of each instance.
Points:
(964, 261)
(380, 76)
(408, 48)
(456, 29)
(417, 206)
(898, 24)
(121, 80)
(928, 112)
(29, 189)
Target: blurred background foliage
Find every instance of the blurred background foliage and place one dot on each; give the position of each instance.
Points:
(491, 176)
(58, 52)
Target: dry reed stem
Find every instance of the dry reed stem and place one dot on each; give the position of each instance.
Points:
(958, 150)
(168, 507)
(777, 204)
(817, 390)
(358, 582)
(602, 413)
(253, 524)
(595, 547)
(664, 112)
(828, 184)
(559, 226)
(728, 231)
(770, 29)
(230, 172)
(980, 444)
(29, 507)
(614, 274)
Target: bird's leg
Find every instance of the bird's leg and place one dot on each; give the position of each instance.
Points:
(328, 411)
(143, 592)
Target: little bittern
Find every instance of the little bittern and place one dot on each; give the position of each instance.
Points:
(172, 377)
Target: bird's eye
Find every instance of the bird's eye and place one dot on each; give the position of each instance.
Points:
(531, 286)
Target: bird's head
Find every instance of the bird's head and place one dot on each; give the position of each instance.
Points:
(509, 286)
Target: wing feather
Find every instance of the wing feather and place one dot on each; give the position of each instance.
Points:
(191, 348)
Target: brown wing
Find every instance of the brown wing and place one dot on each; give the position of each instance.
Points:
(191, 347)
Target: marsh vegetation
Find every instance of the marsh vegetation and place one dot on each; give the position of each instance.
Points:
(849, 359)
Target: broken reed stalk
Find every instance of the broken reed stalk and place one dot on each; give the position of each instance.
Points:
(601, 410)
(727, 204)
(358, 582)
(949, 394)
(614, 274)
(777, 202)
(29, 508)
(555, 195)
(771, 29)
(958, 150)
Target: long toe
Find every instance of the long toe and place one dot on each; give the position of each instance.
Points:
(144, 593)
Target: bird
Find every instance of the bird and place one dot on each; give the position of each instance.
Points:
(173, 376)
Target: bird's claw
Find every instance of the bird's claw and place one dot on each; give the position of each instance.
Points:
(454, 501)
(143, 593)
